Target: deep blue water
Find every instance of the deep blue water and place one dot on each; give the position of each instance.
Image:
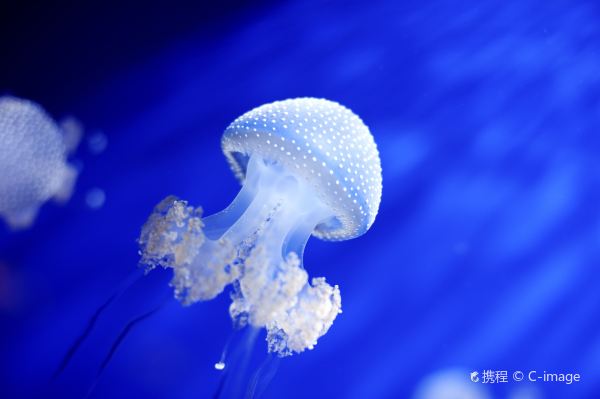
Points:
(485, 251)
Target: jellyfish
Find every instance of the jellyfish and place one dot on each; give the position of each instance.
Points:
(307, 166)
(33, 158)
(449, 384)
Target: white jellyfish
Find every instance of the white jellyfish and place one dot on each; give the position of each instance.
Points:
(33, 162)
(308, 167)
(450, 384)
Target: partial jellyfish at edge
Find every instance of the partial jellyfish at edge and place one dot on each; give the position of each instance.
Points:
(33, 151)
(307, 167)
(450, 383)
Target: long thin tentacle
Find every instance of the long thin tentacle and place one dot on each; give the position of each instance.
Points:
(263, 377)
(74, 347)
(124, 332)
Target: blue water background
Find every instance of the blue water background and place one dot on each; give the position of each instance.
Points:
(485, 251)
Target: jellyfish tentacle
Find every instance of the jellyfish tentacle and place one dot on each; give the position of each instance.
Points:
(72, 350)
(262, 377)
(127, 283)
(117, 343)
(237, 372)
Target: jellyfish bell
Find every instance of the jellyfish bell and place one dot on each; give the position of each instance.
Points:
(33, 156)
(307, 167)
(322, 144)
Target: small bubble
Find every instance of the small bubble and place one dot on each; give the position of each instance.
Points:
(219, 366)
(95, 198)
(72, 133)
(97, 143)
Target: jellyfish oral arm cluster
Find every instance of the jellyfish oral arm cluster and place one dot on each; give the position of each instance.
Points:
(256, 244)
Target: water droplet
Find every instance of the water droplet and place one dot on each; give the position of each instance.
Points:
(219, 366)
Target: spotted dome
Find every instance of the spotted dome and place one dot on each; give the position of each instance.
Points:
(323, 143)
(32, 156)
